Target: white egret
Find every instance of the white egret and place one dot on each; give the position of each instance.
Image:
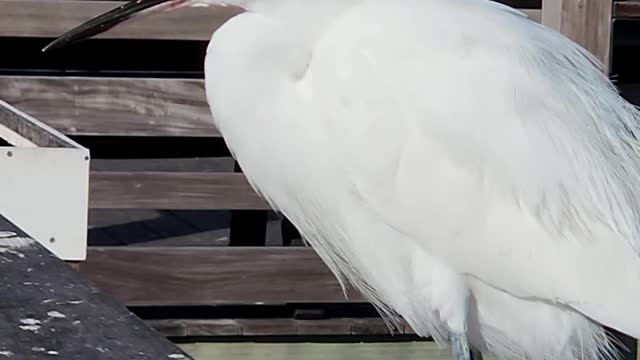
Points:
(467, 169)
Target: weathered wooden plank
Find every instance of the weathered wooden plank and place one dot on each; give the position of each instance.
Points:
(552, 14)
(267, 327)
(524, 4)
(626, 9)
(533, 14)
(113, 106)
(24, 128)
(405, 350)
(172, 191)
(157, 228)
(587, 22)
(45, 18)
(213, 276)
(48, 310)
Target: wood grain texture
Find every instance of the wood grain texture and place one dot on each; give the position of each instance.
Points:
(626, 9)
(172, 191)
(269, 327)
(533, 14)
(47, 310)
(588, 22)
(401, 350)
(170, 276)
(15, 121)
(552, 14)
(47, 18)
(113, 106)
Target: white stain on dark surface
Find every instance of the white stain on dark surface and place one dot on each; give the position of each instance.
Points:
(44, 302)
(30, 325)
(11, 245)
(56, 315)
(14, 243)
(29, 321)
(33, 328)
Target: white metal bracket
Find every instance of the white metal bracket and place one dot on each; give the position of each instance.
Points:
(44, 183)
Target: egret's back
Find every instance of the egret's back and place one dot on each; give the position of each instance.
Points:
(446, 135)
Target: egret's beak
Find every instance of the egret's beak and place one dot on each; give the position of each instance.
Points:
(106, 21)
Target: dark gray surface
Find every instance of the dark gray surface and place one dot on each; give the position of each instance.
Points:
(47, 310)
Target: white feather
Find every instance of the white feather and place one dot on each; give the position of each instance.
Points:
(429, 149)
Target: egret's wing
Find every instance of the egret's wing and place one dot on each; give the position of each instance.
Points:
(493, 142)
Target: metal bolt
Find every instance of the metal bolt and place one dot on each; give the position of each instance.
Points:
(52, 240)
(9, 153)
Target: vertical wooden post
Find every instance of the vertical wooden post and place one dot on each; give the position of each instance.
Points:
(587, 22)
(552, 14)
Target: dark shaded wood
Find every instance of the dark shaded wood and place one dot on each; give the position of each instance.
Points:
(171, 276)
(156, 228)
(626, 345)
(476, 355)
(46, 18)
(48, 310)
(22, 124)
(289, 232)
(172, 191)
(248, 227)
(626, 9)
(112, 106)
(268, 327)
(367, 327)
(589, 23)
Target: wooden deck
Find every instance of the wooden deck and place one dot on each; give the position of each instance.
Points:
(47, 310)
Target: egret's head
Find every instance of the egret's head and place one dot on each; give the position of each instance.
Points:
(129, 10)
